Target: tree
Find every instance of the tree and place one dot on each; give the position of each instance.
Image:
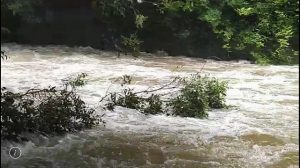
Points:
(260, 28)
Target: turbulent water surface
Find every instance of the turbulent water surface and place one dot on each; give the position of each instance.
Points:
(261, 130)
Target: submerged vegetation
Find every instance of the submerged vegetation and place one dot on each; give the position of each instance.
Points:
(56, 111)
(265, 32)
(48, 111)
(198, 95)
(195, 96)
(53, 111)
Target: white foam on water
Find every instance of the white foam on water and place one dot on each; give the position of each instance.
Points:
(256, 97)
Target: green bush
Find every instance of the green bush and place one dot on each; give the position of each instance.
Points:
(129, 99)
(47, 111)
(153, 105)
(216, 92)
(131, 44)
(198, 95)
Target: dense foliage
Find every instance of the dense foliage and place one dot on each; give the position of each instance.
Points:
(262, 28)
(53, 111)
(198, 95)
(264, 31)
(49, 111)
(128, 98)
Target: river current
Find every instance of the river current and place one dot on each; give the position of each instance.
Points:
(260, 130)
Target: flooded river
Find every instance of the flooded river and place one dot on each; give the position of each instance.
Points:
(261, 130)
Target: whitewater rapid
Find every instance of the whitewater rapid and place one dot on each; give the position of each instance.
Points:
(260, 130)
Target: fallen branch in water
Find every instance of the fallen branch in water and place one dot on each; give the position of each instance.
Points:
(193, 97)
(163, 87)
(48, 111)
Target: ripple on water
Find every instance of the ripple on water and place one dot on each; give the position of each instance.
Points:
(262, 139)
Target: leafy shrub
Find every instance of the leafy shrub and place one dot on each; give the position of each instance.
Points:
(78, 81)
(216, 92)
(271, 25)
(153, 105)
(129, 100)
(139, 21)
(63, 113)
(131, 44)
(192, 101)
(47, 111)
(197, 96)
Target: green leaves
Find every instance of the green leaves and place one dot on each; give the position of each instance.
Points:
(172, 5)
(246, 11)
(78, 81)
(188, 6)
(264, 28)
(139, 20)
(212, 16)
(252, 38)
(131, 44)
(196, 96)
(49, 111)
(18, 6)
(245, 26)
